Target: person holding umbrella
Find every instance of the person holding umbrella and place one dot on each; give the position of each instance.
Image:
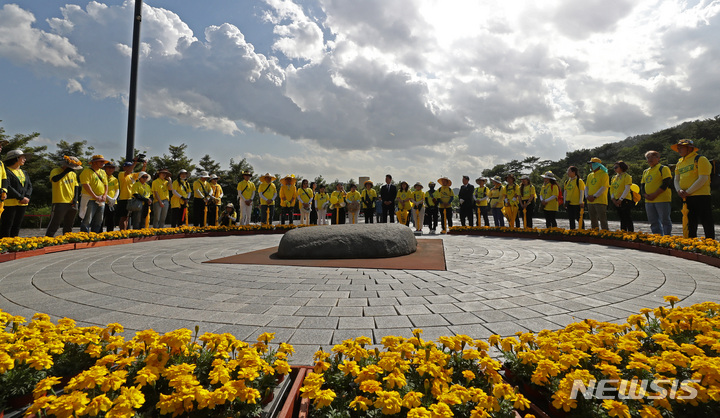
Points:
(418, 209)
(549, 199)
(692, 182)
(337, 204)
(574, 196)
(181, 190)
(268, 193)
(482, 196)
(288, 198)
(497, 200)
(444, 197)
(596, 191)
(368, 197)
(512, 200)
(527, 200)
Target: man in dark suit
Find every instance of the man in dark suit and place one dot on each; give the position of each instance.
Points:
(388, 193)
(466, 201)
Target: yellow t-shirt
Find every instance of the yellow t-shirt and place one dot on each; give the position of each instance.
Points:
(21, 176)
(267, 191)
(113, 185)
(497, 197)
(217, 192)
(417, 196)
(653, 178)
(338, 197)
(3, 176)
(321, 199)
(429, 196)
(353, 197)
(159, 186)
(183, 189)
(512, 190)
(402, 195)
(366, 195)
(481, 193)
(574, 191)
(595, 181)
(546, 192)
(445, 197)
(528, 192)
(63, 191)
(126, 183)
(246, 188)
(618, 184)
(97, 180)
(201, 189)
(143, 190)
(305, 195)
(689, 172)
(288, 194)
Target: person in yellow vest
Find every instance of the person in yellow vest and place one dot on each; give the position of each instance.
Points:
(482, 198)
(445, 196)
(19, 189)
(352, 200)
(215, 201)
(574, 195)
(142, 191)
(417, 198)
(655, 187)
(201, 197)
(161, 188)
(621, 195)
(229, 216)
(113, 192)
(549, 194)
(431, 207)
(246, 194)
(94, 184)
(512, 200)
(305, 198)
(596, 192)
(692, 183)
(64, 195)
(126, 179)
(288, 198)
(497, 201)
(369, 198)
(267, 192)
(322, 202)
(181, 190)
(526, 210)
(3, 179)
(403, 203)
(337, 204)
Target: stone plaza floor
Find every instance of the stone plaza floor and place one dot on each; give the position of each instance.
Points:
(491, 286)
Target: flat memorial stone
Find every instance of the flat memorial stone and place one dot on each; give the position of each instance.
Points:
(348, 241)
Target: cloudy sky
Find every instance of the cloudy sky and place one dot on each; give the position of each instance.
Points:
(417, 88)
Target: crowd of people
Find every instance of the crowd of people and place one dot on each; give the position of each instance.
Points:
(131, 199)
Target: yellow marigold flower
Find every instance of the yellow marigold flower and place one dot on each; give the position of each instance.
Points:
(266, 337)
(468, 375)
(412, 400)
(561, 400)
(370, 386)
(44, 386)
(360, 402)
(418, 413)
(520, 402)
(616, 408)
(440, 410)
(649, 412)
(100, 403)
(324, 398)
(494, 340)
(389, 401)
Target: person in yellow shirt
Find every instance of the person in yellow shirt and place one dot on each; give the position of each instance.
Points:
(229, 216)
(512, 200)
(126, 179)
(305, 197)
(526, 210)
(337, 204)
(403, 203)
(246, 193)
(288, 198)
(322, 202)
(3, 178)
(181, 191)
(621, 195)
(497, 201)
(417, 198)
(368, 197)
(596, 192)
(482, 197)
(161, 189)
(445, 199)
(549, 194)
(215, 201)
(19, 189)
(113, 192)
(142, 191)
(352, 199)
(574, 196)
(94, 184)
(692, 183)
(267, 192)
(64, 195)
(431, 207)
(201, 197)
(655, 187)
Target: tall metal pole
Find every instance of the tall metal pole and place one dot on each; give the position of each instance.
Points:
(132, 105)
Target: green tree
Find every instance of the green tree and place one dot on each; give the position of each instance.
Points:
(175, 161)
(208, 164)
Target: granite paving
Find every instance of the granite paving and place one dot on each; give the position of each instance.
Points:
(492, 285)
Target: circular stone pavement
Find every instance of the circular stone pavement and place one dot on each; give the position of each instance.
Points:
(492, 286)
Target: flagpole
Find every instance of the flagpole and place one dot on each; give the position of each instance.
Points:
(132, 100)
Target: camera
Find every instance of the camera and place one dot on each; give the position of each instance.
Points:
(141, 158)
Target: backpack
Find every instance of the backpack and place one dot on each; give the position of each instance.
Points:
(714, 173)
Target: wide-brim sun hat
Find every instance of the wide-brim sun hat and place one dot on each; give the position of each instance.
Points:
(143, 174)
(595, 160)
(525, 177)
(685, 143)
(109, 164)
(204, 174)
(213, 177)
(16, 153)
(288, 180)
(442, 180)
(418, 184)
(431, 184)
(230, 205)
(549, 175)
(510, 175)
(246, 173)
(98, 158)
(70, 161)
(182, 171)
(267, 178)
(164, 170)
(479, 179)
(497, 179)
(368, 182)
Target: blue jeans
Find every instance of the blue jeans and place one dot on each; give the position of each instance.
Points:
(498, 217)
(658, 215)
(92, 222)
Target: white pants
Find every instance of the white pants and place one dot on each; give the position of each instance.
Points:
(322, 216)
(304, 215)
(245, 212)
(418, 218)
(84, 199)
(353, 216)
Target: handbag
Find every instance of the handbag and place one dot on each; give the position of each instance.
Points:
(134, 204)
